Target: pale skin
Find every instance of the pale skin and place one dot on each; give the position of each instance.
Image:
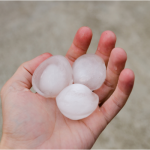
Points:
(32, 121)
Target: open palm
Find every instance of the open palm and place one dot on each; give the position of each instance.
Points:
(32, 121)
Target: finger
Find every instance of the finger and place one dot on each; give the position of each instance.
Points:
(98, 120)
(118, 99)
(80, 44)
(106, 44)
(116, 64)
(23, 75)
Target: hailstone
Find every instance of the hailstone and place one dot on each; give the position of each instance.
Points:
(52, 76)
(77, 101)
(90, 70)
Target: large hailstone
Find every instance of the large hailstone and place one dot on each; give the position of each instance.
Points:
(52, 76)
(90, 70)
(77, 101)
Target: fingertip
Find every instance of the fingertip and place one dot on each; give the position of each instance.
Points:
(126, 81)
(119, 55)
(80, 44)
(117, 60)
(106, 44)
(83, 37)
(86, 31)
(34, 63)
(127, 75)
(108, 37)
(46, 55)
(42, 58)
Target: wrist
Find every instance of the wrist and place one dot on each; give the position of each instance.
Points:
(11, 143)
(7, 143)
(3, 145)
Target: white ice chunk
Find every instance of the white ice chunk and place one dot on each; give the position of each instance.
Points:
(90, 70)
(52, 76)
(77, 101)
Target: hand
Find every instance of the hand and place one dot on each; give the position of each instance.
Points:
(32, 121)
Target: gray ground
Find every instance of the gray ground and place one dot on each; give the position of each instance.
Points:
(28, 29)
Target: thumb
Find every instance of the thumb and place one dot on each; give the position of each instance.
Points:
(23, 76)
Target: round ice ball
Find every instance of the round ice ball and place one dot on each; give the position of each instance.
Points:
(77, 101)
(90, 70)
(52, 76)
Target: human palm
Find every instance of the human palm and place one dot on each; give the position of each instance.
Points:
(32, 121)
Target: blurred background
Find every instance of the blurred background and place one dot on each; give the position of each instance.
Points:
(28, 29)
